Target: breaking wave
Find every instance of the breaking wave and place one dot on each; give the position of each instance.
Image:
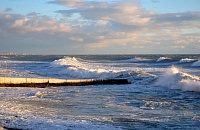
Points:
(78, 68)
(162, 59)
(140, 77)
(187, 60)
(175, 79)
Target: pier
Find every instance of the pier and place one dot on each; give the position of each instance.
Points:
(38, 82)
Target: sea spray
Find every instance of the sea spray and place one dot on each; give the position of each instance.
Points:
(173, 78)
(78, 68)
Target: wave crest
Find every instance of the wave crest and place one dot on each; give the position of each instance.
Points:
(187, 60)
(78, 68)
(140, 77)
(175, 79)
(162, 59)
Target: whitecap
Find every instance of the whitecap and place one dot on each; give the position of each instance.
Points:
(161, 59)
(173, 78)
(187, 60)
(77, 68)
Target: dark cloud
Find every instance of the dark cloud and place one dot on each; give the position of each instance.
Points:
(7, 19)
(32, 35)
(124, 28)
(8, 9)
(176, 17)
(32, 14)
(89, 13)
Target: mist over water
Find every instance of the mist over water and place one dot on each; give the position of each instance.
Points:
(164, 93)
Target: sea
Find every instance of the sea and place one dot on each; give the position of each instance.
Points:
(164, 93)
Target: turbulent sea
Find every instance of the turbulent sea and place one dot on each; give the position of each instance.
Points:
(164, 93)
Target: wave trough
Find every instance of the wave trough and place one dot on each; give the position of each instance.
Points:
(196, 64)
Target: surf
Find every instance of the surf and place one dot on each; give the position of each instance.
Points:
(174, 78)
(162, 59)
(78, 68)
(187, 60)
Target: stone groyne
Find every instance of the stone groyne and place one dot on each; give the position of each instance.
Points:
(37, 82)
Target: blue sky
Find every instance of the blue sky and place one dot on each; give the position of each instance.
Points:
(41, 6)
(171, 6)
(100, 26)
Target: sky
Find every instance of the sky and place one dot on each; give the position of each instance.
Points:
(69, 27)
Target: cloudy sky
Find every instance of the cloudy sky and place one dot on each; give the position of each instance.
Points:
(100, 26)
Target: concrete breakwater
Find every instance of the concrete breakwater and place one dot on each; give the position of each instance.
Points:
(37, 82)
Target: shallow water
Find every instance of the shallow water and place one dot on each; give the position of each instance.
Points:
(163, 94)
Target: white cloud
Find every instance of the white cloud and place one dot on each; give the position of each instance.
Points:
(101, 23)
(19, 23)
(123, 12)
(117, 27)
(39, 24)
(78, 39)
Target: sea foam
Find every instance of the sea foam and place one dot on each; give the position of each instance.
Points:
(187, 60)
(77, 68)
(173, 78)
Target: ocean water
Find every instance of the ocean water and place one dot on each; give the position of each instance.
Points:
(164, 93)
